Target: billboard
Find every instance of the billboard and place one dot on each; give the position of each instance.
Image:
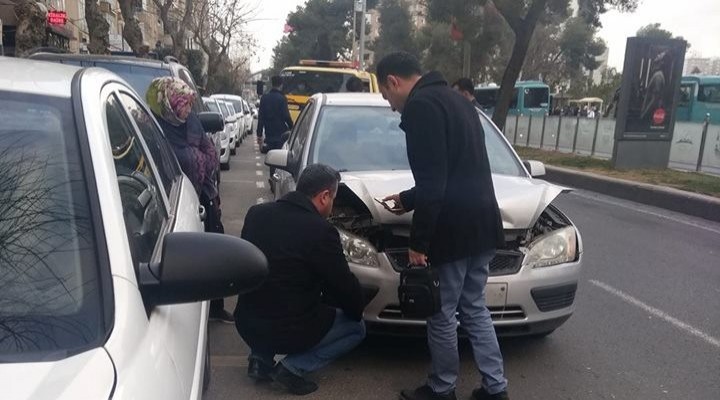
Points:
(650, 89)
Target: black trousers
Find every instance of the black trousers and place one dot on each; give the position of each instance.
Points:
(213, 223)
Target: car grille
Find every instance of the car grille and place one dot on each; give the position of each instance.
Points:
(505, 262)
(555, 297)
(508, 313)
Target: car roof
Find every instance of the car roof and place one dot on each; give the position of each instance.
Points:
(36, 77)
(145, 62)
(227, 97)
(355, 99)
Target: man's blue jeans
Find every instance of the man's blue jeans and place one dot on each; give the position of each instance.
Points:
(344, 335)
(462, 289)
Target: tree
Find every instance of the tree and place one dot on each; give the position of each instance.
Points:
(131, 30)
(523, 17)
(175, 23)
(98, 28)
(396, 29)
(654, 31)
(320, 30)
(30, 31)
(218, 27)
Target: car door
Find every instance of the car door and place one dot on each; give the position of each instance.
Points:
(299, 139)
(184, 324)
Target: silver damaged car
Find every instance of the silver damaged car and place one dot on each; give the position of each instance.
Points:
(533, 280)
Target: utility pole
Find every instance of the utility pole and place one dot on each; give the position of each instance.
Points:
(362, 34)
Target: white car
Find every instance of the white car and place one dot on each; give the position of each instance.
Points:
(533, 280)
(237, 102)
(225, 136)
(239, 124)
(104, 268)
(248, 117)
(231, 127)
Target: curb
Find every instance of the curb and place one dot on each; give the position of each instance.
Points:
(688, 203)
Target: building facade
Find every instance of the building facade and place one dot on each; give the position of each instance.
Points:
(702, 66)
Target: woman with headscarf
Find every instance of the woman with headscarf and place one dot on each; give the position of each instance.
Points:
(171, 100)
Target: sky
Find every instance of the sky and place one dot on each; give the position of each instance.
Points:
(698, 21)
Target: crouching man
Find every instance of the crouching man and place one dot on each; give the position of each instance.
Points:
(287, 314)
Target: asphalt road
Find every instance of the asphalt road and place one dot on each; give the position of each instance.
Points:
(647, 324)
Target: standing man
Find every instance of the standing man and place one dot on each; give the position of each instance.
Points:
(465, 87)
(289, 314)
(457, 224)
(274, 116)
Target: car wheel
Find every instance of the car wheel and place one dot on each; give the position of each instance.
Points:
(225, 167)
(233, 151)
(208, 368)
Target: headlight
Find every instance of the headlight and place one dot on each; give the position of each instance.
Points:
(552, 248)
(358, 250)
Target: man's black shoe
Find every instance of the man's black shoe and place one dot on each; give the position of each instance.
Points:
(259, 370)
(294, 384)
(425, 393)
(222, 316)
(482, 394)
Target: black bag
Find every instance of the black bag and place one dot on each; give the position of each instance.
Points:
(419, 292)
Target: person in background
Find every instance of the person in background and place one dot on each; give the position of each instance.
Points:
(290, 313)
(465, 87)
(171, 100)
(274, 116)
(456, 224)
(354, 84)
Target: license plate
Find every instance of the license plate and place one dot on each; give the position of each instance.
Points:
(496, 294)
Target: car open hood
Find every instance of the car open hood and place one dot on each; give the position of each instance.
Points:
(89, 375)
(521, 199)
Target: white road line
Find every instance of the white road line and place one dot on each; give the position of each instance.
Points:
(257, 157)
(687, 328)
(260, 185)
(648, 212)
(258, 173)
(257, 164)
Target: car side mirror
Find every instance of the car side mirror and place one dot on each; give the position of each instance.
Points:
(277, 159)
(198, 266)
(212, 121)
(535, 168)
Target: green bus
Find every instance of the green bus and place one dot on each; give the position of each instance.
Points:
(529, 98)
(699, 96)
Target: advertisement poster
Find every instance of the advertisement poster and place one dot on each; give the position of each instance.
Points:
(650, 88)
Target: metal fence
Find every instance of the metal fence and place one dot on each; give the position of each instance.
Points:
(695, 146)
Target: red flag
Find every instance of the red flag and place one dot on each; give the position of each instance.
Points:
(288, 28)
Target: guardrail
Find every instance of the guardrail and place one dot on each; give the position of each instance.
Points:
(695, 146)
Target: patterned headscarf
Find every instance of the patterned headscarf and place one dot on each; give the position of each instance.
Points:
(169, 98)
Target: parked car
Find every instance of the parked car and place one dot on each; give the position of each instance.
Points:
(533, 280)
(232, 121)
(248, 117)
(237, 102)
(100, 244)
(239, 123)
(137, 72)
(225, 135)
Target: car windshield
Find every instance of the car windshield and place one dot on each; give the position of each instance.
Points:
(225, 110)
(308, 83)
(50, 291)
(364, 138)
(138, 77)
(212, 106)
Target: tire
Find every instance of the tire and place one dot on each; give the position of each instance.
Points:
(225, 167)
(207, 375)
(233, 151)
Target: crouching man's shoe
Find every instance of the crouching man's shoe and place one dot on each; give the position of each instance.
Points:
(259, 370)
(426, 393)
(294, 384)
(482, 394)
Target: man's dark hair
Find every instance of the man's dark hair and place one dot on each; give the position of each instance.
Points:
(465, 84)
(316, 178)
(354, 84)
(277, 81)
(402, 64)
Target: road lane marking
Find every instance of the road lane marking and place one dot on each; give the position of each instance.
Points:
(257, 157)
(687, 328)
(258, 173)
(257, 164)
(648, 212)
(260, 185)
